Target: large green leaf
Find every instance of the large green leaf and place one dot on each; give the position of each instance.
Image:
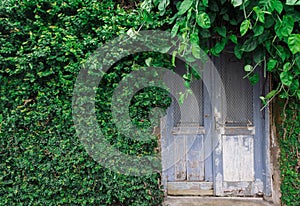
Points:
(238, 51)
(281, 52)
(292, 2)
(162, 6)
(248, 68)
(245, 26)
(249, 45)
(254, 79)
(205, 3)
(194, 38)
(285, 27)
(233, 38)
(271, 94)
(271, 64)
(259, 13)
(286, 78)
(203, 20)
(174, 29)
(219, 47)
(236, 3)
(184, 6)
(277, 5)
(258, 30)
(294, 43)
(221, 31)
(196, 51)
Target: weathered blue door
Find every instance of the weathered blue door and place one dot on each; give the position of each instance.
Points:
(221, 152)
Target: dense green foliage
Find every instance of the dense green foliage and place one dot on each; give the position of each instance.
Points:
(290, 154)
(265, 34)
(42, 161)
(45, 43)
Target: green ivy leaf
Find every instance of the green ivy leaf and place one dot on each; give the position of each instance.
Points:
(162, 6)
(294, 43)
(203, 20)
(271, 64)
(292, 2)
(221, 31)
(286, 78)
(205, 3)
(277, 5)
(184, 6)
(271, 94)
(187, 84)
(236, 3)
(194, 39)
(281, 52)
(260, 14)
(233, 38)
(286, 66)
(181, 98)
(174, 30)
(294, 86)
(249, 45)
(285, 27)
(258, 30)
(245, 26)
(254, 79)
(219, 47)
(248, 68)
(238, 51)
(196, 51)
(148, 61)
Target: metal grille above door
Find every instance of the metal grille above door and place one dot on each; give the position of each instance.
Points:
(239, 92)
(196, 87)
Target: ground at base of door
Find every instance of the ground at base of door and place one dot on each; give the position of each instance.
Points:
(214, 201)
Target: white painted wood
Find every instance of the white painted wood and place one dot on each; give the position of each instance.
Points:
(180, 157)
(238, 158)
(195, 158)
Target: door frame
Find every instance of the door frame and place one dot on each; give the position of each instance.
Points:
(262, 155)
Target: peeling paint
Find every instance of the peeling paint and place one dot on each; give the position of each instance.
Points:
(257, 187)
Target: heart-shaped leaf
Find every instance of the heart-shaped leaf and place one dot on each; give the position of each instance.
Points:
(203, 20)
(184, 6)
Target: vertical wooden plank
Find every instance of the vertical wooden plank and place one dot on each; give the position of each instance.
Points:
(195, 159)
(238, 158)
(170, 145)
(180, 157)
(207, 120)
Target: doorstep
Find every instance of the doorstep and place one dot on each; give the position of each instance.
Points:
(214, 201)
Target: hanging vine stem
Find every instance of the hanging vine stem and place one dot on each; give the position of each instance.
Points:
(256, 65)
(268, 102)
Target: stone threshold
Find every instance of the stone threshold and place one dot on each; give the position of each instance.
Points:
(214, 201)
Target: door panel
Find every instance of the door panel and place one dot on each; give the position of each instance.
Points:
(229, 123)
(237, 153)
(238, 158)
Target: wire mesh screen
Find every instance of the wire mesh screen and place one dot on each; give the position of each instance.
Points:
(239, 92)
(191, 112)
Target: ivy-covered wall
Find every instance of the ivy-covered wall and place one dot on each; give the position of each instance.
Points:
(43, 45)
(290, 152)
(42, 162)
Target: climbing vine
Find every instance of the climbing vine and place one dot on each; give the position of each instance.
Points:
(265, 34)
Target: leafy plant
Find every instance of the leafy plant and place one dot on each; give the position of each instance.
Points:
(263, 32)
(43, 46)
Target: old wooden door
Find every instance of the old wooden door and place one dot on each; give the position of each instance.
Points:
(221, 152)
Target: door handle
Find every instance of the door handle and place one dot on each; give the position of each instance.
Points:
(218, 124)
